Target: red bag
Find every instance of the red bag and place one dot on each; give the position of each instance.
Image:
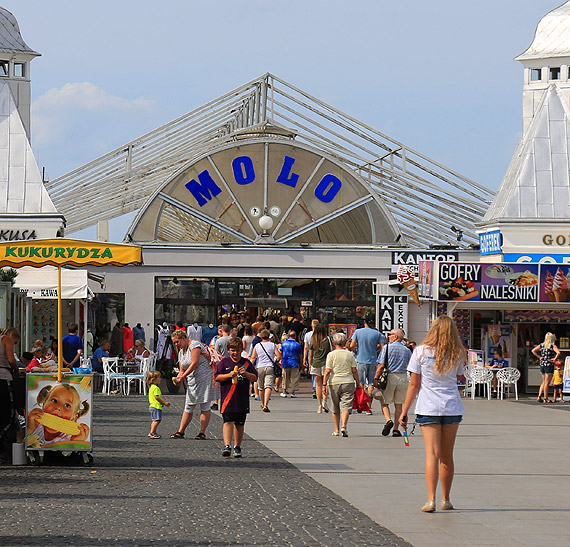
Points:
(361, 400)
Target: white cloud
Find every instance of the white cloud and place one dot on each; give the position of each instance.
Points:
(60, 111)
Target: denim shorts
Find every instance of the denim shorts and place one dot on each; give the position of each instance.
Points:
(155, 413)
(547, 369)
(443, 420)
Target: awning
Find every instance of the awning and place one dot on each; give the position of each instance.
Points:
(41, 283)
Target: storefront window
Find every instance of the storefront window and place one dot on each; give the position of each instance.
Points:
(105, 311)
(344, 289)
(184, 287)
(294, 288)
(344, 315)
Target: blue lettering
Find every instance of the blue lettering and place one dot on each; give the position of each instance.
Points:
(286, 177)
(205, 189)
(244, 173)
(328, 188)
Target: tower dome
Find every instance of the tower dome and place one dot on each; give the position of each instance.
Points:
(551, 38)
(11, 40)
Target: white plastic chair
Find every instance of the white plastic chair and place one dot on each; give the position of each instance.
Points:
(468, 389)
(140, 377)
(481, 376)
(111, 374)
(506, 377)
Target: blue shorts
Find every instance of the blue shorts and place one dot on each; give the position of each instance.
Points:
(155, 413)
(443, 420)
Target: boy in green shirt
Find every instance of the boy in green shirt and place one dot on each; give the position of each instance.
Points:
(155, 401)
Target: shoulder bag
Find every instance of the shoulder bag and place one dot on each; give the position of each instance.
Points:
(277, 372)
(383, 378)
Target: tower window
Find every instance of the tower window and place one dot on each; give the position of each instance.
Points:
(19, 70)
(555, 73)
(3, 68)
(535, 75)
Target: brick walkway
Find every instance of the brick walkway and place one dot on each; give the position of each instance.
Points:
(174, 492)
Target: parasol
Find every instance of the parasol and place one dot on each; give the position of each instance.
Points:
(66, 252)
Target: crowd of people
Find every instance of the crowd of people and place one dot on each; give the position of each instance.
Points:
(268, 358)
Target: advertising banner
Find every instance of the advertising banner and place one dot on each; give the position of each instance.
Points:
(425, 278)
(499, 339)
(566, 388)
(475, 358)
(554, 281)
(412, 259)
(58, 413)
(488, 282)
(393, 313)
(347, 328)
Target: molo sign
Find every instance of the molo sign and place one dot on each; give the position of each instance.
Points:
(244, 173)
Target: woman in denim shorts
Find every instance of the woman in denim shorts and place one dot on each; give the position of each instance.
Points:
(435, 367)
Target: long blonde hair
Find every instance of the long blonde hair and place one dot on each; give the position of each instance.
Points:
(549, 340)
(444, 339)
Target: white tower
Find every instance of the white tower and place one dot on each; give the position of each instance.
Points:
(15, 58)
(547, 61)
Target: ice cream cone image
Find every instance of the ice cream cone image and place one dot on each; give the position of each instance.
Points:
(406, 278)
(548, 283)
(560, 287)
(412, 289)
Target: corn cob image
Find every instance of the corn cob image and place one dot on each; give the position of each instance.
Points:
(59, 424)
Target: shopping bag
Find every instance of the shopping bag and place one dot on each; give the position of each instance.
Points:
(361, 400)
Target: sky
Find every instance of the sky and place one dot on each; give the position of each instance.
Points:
(438, 76)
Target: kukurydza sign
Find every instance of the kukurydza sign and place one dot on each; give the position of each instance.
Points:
(482, 282)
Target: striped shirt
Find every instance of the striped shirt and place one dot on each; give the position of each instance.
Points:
(398, 357)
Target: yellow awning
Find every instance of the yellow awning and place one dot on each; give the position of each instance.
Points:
(67, 252)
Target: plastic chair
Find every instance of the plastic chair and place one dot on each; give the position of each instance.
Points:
(146, 363)
(506, 377)
(111, 374)
(481, 376)
(468, 389)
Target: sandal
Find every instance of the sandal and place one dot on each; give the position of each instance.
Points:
(177, 435)
(396, 433)
(539, 400)
(200, 437)
(154, 436)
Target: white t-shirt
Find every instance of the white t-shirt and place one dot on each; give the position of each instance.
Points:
(264, 358)
(438, 395)
(308, 336)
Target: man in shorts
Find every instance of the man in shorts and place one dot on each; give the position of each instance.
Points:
(398, 358)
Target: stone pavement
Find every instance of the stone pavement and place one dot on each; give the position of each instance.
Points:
(175, 492)
(511, 470)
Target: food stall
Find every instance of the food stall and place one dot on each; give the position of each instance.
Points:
(47, 427)
(503, 306)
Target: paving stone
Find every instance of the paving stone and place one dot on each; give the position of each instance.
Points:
(168, 492)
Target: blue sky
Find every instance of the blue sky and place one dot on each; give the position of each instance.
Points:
(438, 76)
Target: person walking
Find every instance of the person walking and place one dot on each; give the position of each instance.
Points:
(341, 374)
(395, 392)
(547, 352)
(195, 367)
(319, 348)
(263, 356)
(366, 342)
(435, 367)
(291, 352)
(8, 373)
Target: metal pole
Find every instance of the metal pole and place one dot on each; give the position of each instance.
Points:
(59, 328)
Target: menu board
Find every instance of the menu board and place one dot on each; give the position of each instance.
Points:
(483, 282)
(44, 319)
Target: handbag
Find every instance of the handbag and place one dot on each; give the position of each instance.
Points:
(277, 371)
(383, 378)
(361, 400)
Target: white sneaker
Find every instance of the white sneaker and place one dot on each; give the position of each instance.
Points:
(283, 394)
(320, 410)
(293, 394)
